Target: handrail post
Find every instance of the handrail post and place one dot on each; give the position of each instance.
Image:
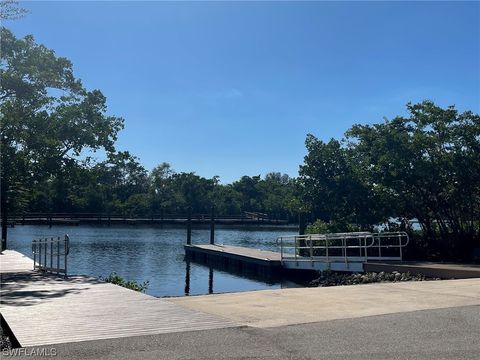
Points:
(34, 249)
(51, 254)
(45, 254)
(400, 245)
(326, 247)
(58, 255)
(295, 245)
(40, 254)
(365, 248)
(66, 253)
(311, 247)
(379, 247)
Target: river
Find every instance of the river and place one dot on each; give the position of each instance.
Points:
(154, 254)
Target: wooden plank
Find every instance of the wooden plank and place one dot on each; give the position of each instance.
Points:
(47, 309)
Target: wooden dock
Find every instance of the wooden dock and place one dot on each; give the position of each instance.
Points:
(247, 219)
(268, 263)
(46, 309)
(263, 262)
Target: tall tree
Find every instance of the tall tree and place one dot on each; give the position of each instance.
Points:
(48, 118)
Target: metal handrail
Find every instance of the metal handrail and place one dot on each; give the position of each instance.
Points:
(45, 250)
(305, 250)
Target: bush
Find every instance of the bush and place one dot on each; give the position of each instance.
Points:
(332, 278)
(116, 279)
(322, 227)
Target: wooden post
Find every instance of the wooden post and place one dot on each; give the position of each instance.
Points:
(189, 226)
(301, 231)
(210, 280)
(301, 224)
(187, 278)
(212, 226)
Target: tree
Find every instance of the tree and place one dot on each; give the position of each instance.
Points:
(427, 167)
(48, 118)
(160, 189)
(191, 190)
(422, 168)
(277, 194)
(333, 187)
(251, 196)
(10, 10)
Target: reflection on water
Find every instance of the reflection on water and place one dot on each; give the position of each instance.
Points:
(154, 254)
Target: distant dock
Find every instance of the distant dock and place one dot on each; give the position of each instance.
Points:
(154, 219)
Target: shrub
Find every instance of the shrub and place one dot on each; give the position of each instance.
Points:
(116, 279)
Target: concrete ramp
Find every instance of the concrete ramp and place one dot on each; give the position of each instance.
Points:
(272, 308)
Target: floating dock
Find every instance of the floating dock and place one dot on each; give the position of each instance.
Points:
(262, 262)
(269, 263)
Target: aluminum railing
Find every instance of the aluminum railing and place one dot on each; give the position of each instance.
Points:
(343, 247)
(50, 254)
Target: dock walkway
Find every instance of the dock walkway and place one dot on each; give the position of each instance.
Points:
(263, 262)
(47, 309)
(270, 262)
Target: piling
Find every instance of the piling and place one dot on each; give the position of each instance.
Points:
(212, 226)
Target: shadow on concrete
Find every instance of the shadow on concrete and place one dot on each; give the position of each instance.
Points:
(32, 288)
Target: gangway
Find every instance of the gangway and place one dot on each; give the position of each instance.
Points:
(340, 251)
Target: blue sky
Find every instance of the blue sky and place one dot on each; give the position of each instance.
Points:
(232, 89)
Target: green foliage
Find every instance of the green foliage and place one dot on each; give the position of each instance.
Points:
(332, 278)
(116, 279)
(423, 168)
(322, 227)
(10, 10)
(48, 119)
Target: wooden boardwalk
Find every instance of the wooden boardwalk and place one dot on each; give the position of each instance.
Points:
(46, 309)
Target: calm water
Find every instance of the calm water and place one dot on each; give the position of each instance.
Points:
(151, 253)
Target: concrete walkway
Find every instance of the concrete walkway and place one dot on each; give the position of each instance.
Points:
(269, 308)
(439, 334)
